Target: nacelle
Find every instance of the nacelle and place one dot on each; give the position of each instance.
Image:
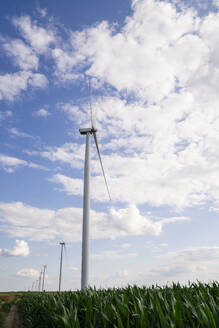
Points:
(85, 130)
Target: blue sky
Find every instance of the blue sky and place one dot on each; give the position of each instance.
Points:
(154, 72)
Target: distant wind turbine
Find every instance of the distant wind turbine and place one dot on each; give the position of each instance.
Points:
(40, 278)
(62, 243)
(44, 271)
(86, 199)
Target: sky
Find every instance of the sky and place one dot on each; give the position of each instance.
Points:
(154, 71)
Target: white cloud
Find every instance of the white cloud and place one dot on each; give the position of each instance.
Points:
(194, 261)
(196, 254)
(20, 248)
(42, 11)
(74, 268)
(189, 264)
(156, 248)
(125, 245)
(74, 113)
(165, 138)
(123, 273)
(139, 56)
(17, 133)
(39, 38)
(140, 155)
(216, 3)
(214, 209)
(10, 163)
(5, 114)
(116, 279)
(20, 220)
(38, 80)
(165, 141)
(112, 255)
(70, 186)
(22, 54)
(64, 63)
(28, 273)
(70, 153)
(43, 112)
(12, 84)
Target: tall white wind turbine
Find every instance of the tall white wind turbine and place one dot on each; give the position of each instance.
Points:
(86, 200)
(62, 243)
(40, 277)
(44, 271)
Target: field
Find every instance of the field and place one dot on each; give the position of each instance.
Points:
(6, 300)
(196, 305)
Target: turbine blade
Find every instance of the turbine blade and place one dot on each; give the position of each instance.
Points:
(91, 106)
(101, 163)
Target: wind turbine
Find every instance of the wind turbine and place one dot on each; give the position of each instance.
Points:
(86, 199)
(44, 271)
(40, 277)
(62, 243)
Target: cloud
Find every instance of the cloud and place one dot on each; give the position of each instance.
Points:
(5, 114)
(12, 84)
(42, 11)
(112, 255)
(194, 261)
(10, 163)
(17, 133)
(162, 119)
(42, 112)
(70, 186)
(156, 248)
(158, 123)
(23, 56)
(74, 268)
(214, 209)
(20, 220)
(74, 113)
(20, 248)
(125, 245)
(140, 57)
(116, 279)
(70, 153)
(216, 3)
(189, 264)
(196, 254)
(38, 80)
(64, 64)
(39, 38)
(28, 273)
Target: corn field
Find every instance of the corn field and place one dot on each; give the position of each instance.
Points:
(195, 305)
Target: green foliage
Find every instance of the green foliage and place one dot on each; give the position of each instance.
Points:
(1, 319)
(5, 307)
(196, 305)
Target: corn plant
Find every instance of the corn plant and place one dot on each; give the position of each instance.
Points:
(196, 305)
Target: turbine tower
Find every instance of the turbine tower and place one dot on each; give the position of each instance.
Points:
(40, 277)
(62, 243)
(86, 199)
(44, 271)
